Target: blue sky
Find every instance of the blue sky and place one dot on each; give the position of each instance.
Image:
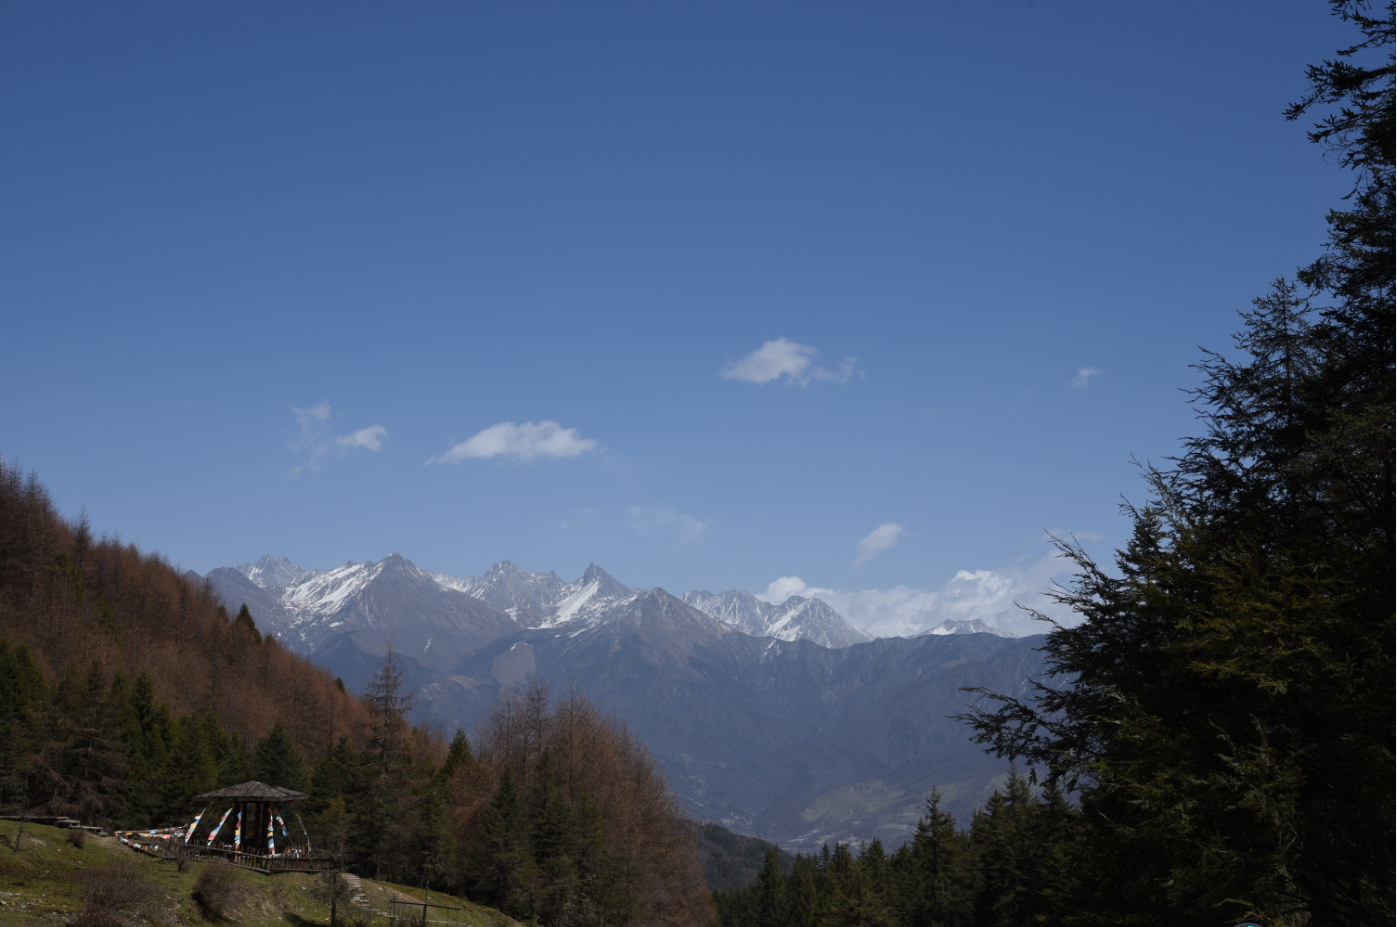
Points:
(714, 295)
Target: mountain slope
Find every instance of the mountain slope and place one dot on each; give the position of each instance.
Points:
(785, 739)
(345, 617)
(235, 589)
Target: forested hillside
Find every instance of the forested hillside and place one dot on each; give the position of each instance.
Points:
(100, 637)
(125, 690)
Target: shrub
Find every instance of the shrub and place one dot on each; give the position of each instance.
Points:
(77, 837)
(120, 888)
(357, 915)
(218, 890)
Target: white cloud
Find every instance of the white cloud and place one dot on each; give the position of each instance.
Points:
(879, 539)
(370, 438)
(651, 518)
(782, 358)
(1083, 377)
(524, 442)
(782, 589)
(581, 518)
(314, 440)
(993, 596)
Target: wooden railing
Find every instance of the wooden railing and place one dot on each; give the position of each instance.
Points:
(258, 862)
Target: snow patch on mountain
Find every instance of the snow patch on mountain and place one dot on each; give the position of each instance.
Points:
(322, 593)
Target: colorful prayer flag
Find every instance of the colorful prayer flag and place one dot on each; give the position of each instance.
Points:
(215, 831)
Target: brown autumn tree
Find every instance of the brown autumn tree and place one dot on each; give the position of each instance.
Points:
(97, 607)
(577, 804)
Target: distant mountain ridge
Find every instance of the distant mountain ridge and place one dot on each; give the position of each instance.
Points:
(783, 720)
(793, 620)
(543, 600)
(970, 626)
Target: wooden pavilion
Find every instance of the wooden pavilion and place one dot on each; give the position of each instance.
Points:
(248, 827)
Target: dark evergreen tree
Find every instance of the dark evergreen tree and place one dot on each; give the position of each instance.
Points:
(22, 692)
(771, 891)
(1011, 839)
(84, 760)
(146, 728)
(336, 776)
(1228, 726)
(276, 761)
(236, 765)
(501, 865)
(244, 620)
(458, 755)
(385, 788)
(940, 884)
(189, 769)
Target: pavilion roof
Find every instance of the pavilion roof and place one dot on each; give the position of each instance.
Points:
(251, 791)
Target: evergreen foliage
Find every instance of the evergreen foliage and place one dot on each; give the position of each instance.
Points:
(997, 873)
(244, 621)
(1224, 712)
(275, 760)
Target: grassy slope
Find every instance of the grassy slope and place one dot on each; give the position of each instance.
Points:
(38, 886)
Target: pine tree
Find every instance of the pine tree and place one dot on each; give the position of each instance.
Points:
(771, 891)
(939, 890)
(1228, 727)
(22, 692)
(336, 776)
(84, 759)
(236, 765)
(458, 756)
(1012, 840)
(385, 791)
(501, 864)
(244, 621)
(276, 761)
(189, 769)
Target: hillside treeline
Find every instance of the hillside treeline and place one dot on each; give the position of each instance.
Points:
(109, 631)
(1016, 864)
(126, 689)
(568, 819)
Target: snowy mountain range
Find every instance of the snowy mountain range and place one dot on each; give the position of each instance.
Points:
(309, 601)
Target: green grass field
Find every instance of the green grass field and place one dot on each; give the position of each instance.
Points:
(40, 884)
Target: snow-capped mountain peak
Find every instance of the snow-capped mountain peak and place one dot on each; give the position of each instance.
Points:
(795, 619)
(271, 572)
(969, 626)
